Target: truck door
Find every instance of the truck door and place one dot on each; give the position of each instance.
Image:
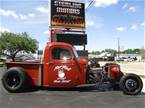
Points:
(62, 70)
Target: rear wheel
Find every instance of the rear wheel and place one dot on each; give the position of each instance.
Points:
(131, 84)
(14, 80)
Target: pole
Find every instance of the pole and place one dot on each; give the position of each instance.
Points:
(118, 39)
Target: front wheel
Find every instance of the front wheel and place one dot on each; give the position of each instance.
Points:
(131, 84)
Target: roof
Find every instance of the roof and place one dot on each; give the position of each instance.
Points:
(49, 44)
(130, 55)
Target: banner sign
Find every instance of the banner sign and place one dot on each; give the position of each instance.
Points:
(67, 14)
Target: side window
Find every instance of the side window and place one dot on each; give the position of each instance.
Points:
(61, 54)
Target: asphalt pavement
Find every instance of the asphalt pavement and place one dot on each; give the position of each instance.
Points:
(85, 97)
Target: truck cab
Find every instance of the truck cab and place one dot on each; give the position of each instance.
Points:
(62, 67)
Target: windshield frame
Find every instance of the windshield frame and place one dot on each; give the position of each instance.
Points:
(75, 52)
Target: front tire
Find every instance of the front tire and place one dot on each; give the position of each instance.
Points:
(131, 84)
(14, 80)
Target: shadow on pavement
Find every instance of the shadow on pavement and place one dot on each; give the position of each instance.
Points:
(88, 88)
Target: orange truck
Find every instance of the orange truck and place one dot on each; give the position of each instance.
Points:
(61, 67)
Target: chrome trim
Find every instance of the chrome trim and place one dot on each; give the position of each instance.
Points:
(40, 75)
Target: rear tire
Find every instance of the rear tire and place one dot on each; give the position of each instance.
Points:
(14, 80)
(131, 84)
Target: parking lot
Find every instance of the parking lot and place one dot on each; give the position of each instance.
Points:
(85, 97)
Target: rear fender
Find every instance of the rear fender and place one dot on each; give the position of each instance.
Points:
(114, 72)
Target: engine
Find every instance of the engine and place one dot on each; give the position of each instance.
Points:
(109, 72)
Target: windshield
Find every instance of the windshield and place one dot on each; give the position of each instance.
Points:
(75, 52)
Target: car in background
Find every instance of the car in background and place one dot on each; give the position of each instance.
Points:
(125, 59)
(128, 59)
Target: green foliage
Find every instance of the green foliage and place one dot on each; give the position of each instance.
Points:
(96, 52)
(110, 51)
(131, 51)
(127, 51)
(13, 43)
(142, 52)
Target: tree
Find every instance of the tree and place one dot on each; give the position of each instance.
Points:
(95, 52)
(110, 51)
(136, 51)
(131, 51)
(128, 51)
(13, 43)
(142, 52)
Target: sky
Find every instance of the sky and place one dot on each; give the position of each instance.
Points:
(106, 22)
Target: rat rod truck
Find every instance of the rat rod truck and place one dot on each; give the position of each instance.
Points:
(62, 68)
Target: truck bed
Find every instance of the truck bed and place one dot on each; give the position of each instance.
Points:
(33, 69)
